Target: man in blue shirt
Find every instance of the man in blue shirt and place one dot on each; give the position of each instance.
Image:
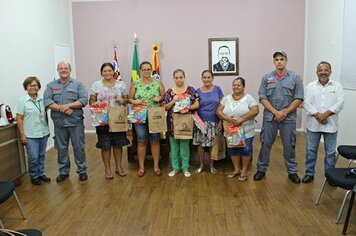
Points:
(66, 97)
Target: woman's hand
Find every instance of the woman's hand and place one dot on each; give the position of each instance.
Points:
(23, 139)
(136, 102)
(120, 100)
(157, 99)
(95, 104)
(219, 127)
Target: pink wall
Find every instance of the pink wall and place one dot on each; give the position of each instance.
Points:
(183, 28)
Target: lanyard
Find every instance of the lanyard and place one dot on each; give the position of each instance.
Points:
(38, 107)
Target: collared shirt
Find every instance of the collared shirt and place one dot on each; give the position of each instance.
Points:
(64, 93)
(319, 98)
(34, 116)
(281, 93)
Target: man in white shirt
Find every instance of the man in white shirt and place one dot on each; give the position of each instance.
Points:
(324, 99)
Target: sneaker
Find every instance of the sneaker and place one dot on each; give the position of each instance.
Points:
(62, 177)
(187, 173)
(36, 181)
(307, 179)
(45, 178)
(83, 177)
(294, 178)
(259, 175)
(172, 173)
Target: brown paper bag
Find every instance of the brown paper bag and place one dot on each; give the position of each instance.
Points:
(118, 119)
(183, 126)
(217, 150)
(157, 121)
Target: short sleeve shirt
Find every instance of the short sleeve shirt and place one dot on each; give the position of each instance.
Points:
(108, 95)
(239, 108)
(281, 93)
(60, 93)
(34, 113)
(193, 96)
(208, 103)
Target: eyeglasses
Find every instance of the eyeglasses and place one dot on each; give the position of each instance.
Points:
(147, 69)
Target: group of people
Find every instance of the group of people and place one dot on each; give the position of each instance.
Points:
(281, 93)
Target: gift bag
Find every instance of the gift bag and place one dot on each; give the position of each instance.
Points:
(99, 114)
(235, 135)
(217, 150)
(183, 126)
(118, 119)
(137, 113)
(157, 121)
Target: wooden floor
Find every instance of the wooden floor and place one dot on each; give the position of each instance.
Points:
(201, 205)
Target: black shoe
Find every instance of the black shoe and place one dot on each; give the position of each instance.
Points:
(62, 177)
(331, 184)
(36, 181)
(83, 177)
(294, 178)
(307, 179)
(45, 178)
(259, 175)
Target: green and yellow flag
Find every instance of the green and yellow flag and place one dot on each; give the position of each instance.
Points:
(135, 73)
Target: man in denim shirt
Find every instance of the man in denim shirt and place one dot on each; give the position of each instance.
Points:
(66, 97)
(281, 93)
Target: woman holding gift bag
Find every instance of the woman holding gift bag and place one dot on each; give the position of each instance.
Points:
(179, 99)
(239, 109)
(112, 93)
(151, 91)
(210, 96)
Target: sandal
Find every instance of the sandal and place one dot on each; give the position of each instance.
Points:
(242, 178)
(109, 176)
(213, 170)
(198, 171)
(140, 173)
(234, 174)
(157, 172)
(122, 173)
(187, 173)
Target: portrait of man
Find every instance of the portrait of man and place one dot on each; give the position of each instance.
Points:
(224, 63)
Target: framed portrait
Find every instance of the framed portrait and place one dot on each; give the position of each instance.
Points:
(224, 56)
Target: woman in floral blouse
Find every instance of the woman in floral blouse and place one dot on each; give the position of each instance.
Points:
(113, 93)
(151, 91)
(179, 147)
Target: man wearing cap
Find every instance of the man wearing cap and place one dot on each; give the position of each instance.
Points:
(281, 93)
(324, 99)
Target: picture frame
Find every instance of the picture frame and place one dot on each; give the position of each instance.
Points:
(224, 56)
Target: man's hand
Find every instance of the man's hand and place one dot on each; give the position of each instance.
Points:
(280, 116)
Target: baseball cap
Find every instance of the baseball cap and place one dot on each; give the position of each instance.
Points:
(283, 53)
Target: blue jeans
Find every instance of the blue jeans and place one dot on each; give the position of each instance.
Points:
(36, 152)
(313, 140)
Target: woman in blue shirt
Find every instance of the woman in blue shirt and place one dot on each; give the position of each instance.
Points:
(33, 129)
(210, 96)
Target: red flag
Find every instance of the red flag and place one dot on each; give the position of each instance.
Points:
(116, 65)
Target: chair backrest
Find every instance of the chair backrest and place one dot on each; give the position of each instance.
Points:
(347, 151)
(6, 190)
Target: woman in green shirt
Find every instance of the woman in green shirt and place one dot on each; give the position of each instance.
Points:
(151, 91)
